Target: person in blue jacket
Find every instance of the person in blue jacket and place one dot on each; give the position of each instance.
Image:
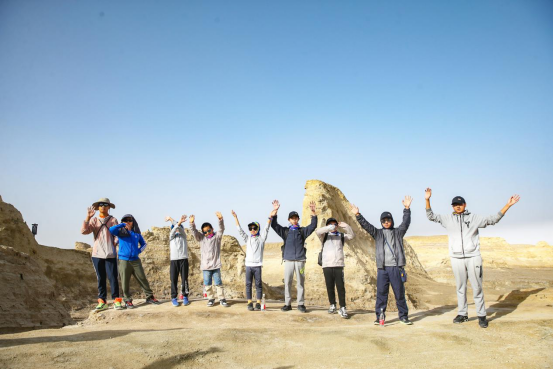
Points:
(131, 244)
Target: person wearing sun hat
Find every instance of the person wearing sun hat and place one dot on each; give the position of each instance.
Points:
(104, 253)
(255, 244)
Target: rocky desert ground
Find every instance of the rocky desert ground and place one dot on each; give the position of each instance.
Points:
(46, 319)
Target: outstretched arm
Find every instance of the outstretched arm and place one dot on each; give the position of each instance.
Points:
(404, 226)
(483, 222)
(197, 235)
(429, 213)
(280, 230)
(221, 224)
(265, 231)
(311, 227)
(240, 230)
(362, 221)
(88, 228)
(513, 200)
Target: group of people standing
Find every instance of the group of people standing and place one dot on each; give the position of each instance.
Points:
(461, 225)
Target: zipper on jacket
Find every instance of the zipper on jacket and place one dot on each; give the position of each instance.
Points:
(462, 242)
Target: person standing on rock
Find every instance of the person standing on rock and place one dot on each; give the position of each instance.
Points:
(255, 244)
(294, 253)
(464, 251)
(390, 259)
(210, 249)
(179, 261)
(104, 253)
(333, 262)
(131, 244)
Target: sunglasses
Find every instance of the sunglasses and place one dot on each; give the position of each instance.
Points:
(386, 220)
(208, 231)
(126, 220)
(252, 228)
(103, 204)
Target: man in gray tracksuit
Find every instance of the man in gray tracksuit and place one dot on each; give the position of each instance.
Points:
(464, 250)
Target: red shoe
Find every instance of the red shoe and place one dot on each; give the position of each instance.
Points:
(153, 300)
(181, 297)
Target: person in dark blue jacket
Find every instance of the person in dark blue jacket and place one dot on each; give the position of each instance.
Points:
(294, 252)
(131, 244)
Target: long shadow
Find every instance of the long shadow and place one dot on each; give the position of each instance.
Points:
(511, 302)
(440, 310)
(80, 337)
(173, 361)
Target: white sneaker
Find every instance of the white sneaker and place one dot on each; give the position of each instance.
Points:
(210, 303)
(332, 309)
(343, 313)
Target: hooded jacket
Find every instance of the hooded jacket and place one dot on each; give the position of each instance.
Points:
(255, 245)
(177, 242)
(129, 244)
(462, 231)
(294, 239)
(333, 250)
(210, 248)
(378, 235)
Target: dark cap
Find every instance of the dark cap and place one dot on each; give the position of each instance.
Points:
(330, 220)
(458, 200)
(293, 214)
(385, 215)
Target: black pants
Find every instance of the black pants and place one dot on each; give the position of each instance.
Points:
(386, 276)
(253, 272)
(106, 268)
(334, 277)
(179, 267)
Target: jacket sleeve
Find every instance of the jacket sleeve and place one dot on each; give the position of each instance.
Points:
(320, 232)
(434, 217)
(349, 235)
(221, 228)
(142, 244)
(89, 227)
(404, 226)
(197, 235)
(366, 225)
(114, 221)
(280, 230)
(173, 232)
(265, 231)
(242, 233)
(310, 228)
(115, 229)
(483, 222)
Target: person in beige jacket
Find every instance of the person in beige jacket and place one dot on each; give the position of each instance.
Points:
(210, 249)
(104, 252)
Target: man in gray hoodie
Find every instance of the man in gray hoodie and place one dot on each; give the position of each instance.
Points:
(464, 250)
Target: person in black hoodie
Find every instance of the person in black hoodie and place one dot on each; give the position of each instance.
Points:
(390, 258)
(293, 252)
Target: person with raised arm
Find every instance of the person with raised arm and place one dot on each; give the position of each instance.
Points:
(464, 251)
(390, 259)
(294, 253)
(255, 244)
(179, 261)
(210, 250)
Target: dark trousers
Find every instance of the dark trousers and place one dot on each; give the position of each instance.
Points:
(253, 272)
(179, 267)
(386, 276)
(106, 268)
(334, 278)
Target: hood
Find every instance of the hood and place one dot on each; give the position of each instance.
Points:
(135, 227)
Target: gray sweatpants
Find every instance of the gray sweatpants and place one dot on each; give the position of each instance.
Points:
(291, 267)
(471, 269)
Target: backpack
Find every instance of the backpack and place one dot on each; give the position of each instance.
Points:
(320, 261)
(104, 224)
(287, 231)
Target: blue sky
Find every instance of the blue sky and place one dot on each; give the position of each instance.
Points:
(192, 107)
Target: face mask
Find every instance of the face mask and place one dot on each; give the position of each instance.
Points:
(210, 235)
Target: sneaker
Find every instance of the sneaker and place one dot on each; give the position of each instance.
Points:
(153, 300)
(223, 303)
(181, 297)
(405, 321)
(302, 309)
(101, 305)
(377, 321)
(129, 304)
(118, 304)
(257, 307)
(286, 308)
(175, 302)
(250, 306)
(210, 303)
(482, 322)
(332, 309)
(185, 301)
(343, 312)
(460, 319)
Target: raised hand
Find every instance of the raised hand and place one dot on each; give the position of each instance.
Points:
(354, 209)
(168, 219)
(276, 205)
(513, 200)
(219, 215)
(407, 201)
(192, 218)
(90, 211)
(182, 219)
(428, 193)
(234, 214)
(342, 225)
(312, 206)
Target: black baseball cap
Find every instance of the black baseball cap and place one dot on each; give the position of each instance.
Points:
(385, 215)
(293, 214)
(330, 220)
(458, 200)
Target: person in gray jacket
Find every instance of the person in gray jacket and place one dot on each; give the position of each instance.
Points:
(255, 244)
(210, 249)
(390, 259)
(179, 261)
(464, 251)
(333, 262)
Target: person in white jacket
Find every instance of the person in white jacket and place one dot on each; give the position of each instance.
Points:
(179, 261)
(255, 244)
(333, 262)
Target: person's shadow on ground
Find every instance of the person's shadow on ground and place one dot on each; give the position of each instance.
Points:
(510, 302)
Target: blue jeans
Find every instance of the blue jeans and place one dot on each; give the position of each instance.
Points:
(212, 275)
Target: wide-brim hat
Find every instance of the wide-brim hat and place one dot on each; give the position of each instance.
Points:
(103, 199)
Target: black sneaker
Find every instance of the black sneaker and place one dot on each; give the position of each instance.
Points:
(482, 322)
(258, 307)
(210, 303)
(224, 303)
(286, 308)
(302, 309)
(460, 319)
(250, 306)
(377, 321)
(406, 321)
(153, 300)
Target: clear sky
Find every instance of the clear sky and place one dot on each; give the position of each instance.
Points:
(196, 106)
